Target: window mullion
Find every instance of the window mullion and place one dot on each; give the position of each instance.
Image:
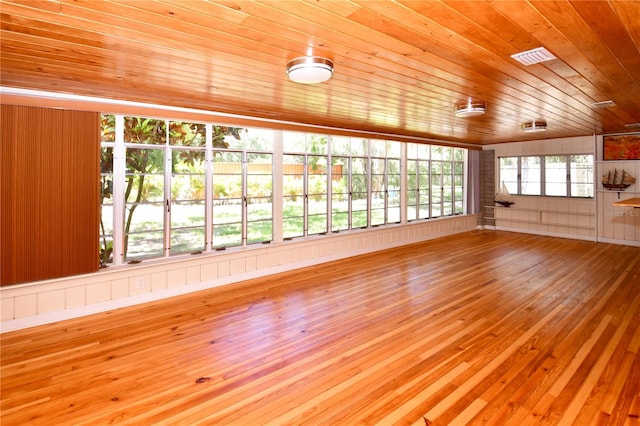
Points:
(305, 195)
(329, 187)
(167, 192)
(403, 183)
(245, 206)
(208, 188)
(119, 179)
(568, 172)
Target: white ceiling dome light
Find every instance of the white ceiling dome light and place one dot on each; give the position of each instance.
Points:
(534, 126)
(469, 109)
(310, 69)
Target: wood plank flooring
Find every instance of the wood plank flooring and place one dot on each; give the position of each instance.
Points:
(483, 327)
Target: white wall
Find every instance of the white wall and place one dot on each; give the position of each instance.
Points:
(555, 216)
(592, 219)
(30, 304)
(618, 225)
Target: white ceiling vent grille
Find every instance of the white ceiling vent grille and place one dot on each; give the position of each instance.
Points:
(603, 104)
(534, 56)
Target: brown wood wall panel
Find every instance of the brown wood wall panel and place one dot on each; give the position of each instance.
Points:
(49, 195)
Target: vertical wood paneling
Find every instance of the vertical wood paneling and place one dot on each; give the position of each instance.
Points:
(50, 206)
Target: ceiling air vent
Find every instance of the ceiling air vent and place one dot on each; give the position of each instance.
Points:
(632, 126)
(603, 104)
(534, 56)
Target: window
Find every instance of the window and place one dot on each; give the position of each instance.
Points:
(385, 182)
(550, 175)
(530, 176)
(459, 158)
(154, 198)
(350, 191)
(581, 175)
(174, 187)
(144, 187)
(227, 182)
(305, 188)
(509, 173)
(242, 182)
(188, 194)
(555, 175)
(418, 183)
(435, 181)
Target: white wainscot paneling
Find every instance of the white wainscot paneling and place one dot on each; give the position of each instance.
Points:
(30, 304)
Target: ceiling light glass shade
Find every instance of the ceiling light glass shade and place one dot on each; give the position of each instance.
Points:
(534, 126)
(310, 69)
(469, 109)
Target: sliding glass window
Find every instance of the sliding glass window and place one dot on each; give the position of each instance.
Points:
(418, 181)
(556, 175)
(549, 175)
(305, 189)
(385, 182)
(530, 175)
(187, 142)
(350, 183)
(581, 175)
(173, 187)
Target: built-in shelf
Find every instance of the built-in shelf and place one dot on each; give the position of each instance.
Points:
(617, 192)
(542, 223)
(541, 217)
(541, 210)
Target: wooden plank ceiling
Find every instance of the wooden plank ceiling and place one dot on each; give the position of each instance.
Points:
(400, 66)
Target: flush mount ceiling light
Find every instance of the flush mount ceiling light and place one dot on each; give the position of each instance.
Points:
(533, 56)
(534, 126)
(310, 69)
(469, 109)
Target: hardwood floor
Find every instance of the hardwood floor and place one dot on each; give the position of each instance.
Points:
(478, 328)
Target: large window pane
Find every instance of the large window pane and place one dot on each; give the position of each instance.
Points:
(581, 175)
(359, 192)
(531, 175)
(378, 191)
(317, 211)
(509, 173)
(293, 195)
(412, 189)
(227, 199)
(144, 203)
(436, 185)
(458, 186)
(393, 190)
(187, 200)
(419, 178)
(259, 197)
(340, 193)
(555, 175)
